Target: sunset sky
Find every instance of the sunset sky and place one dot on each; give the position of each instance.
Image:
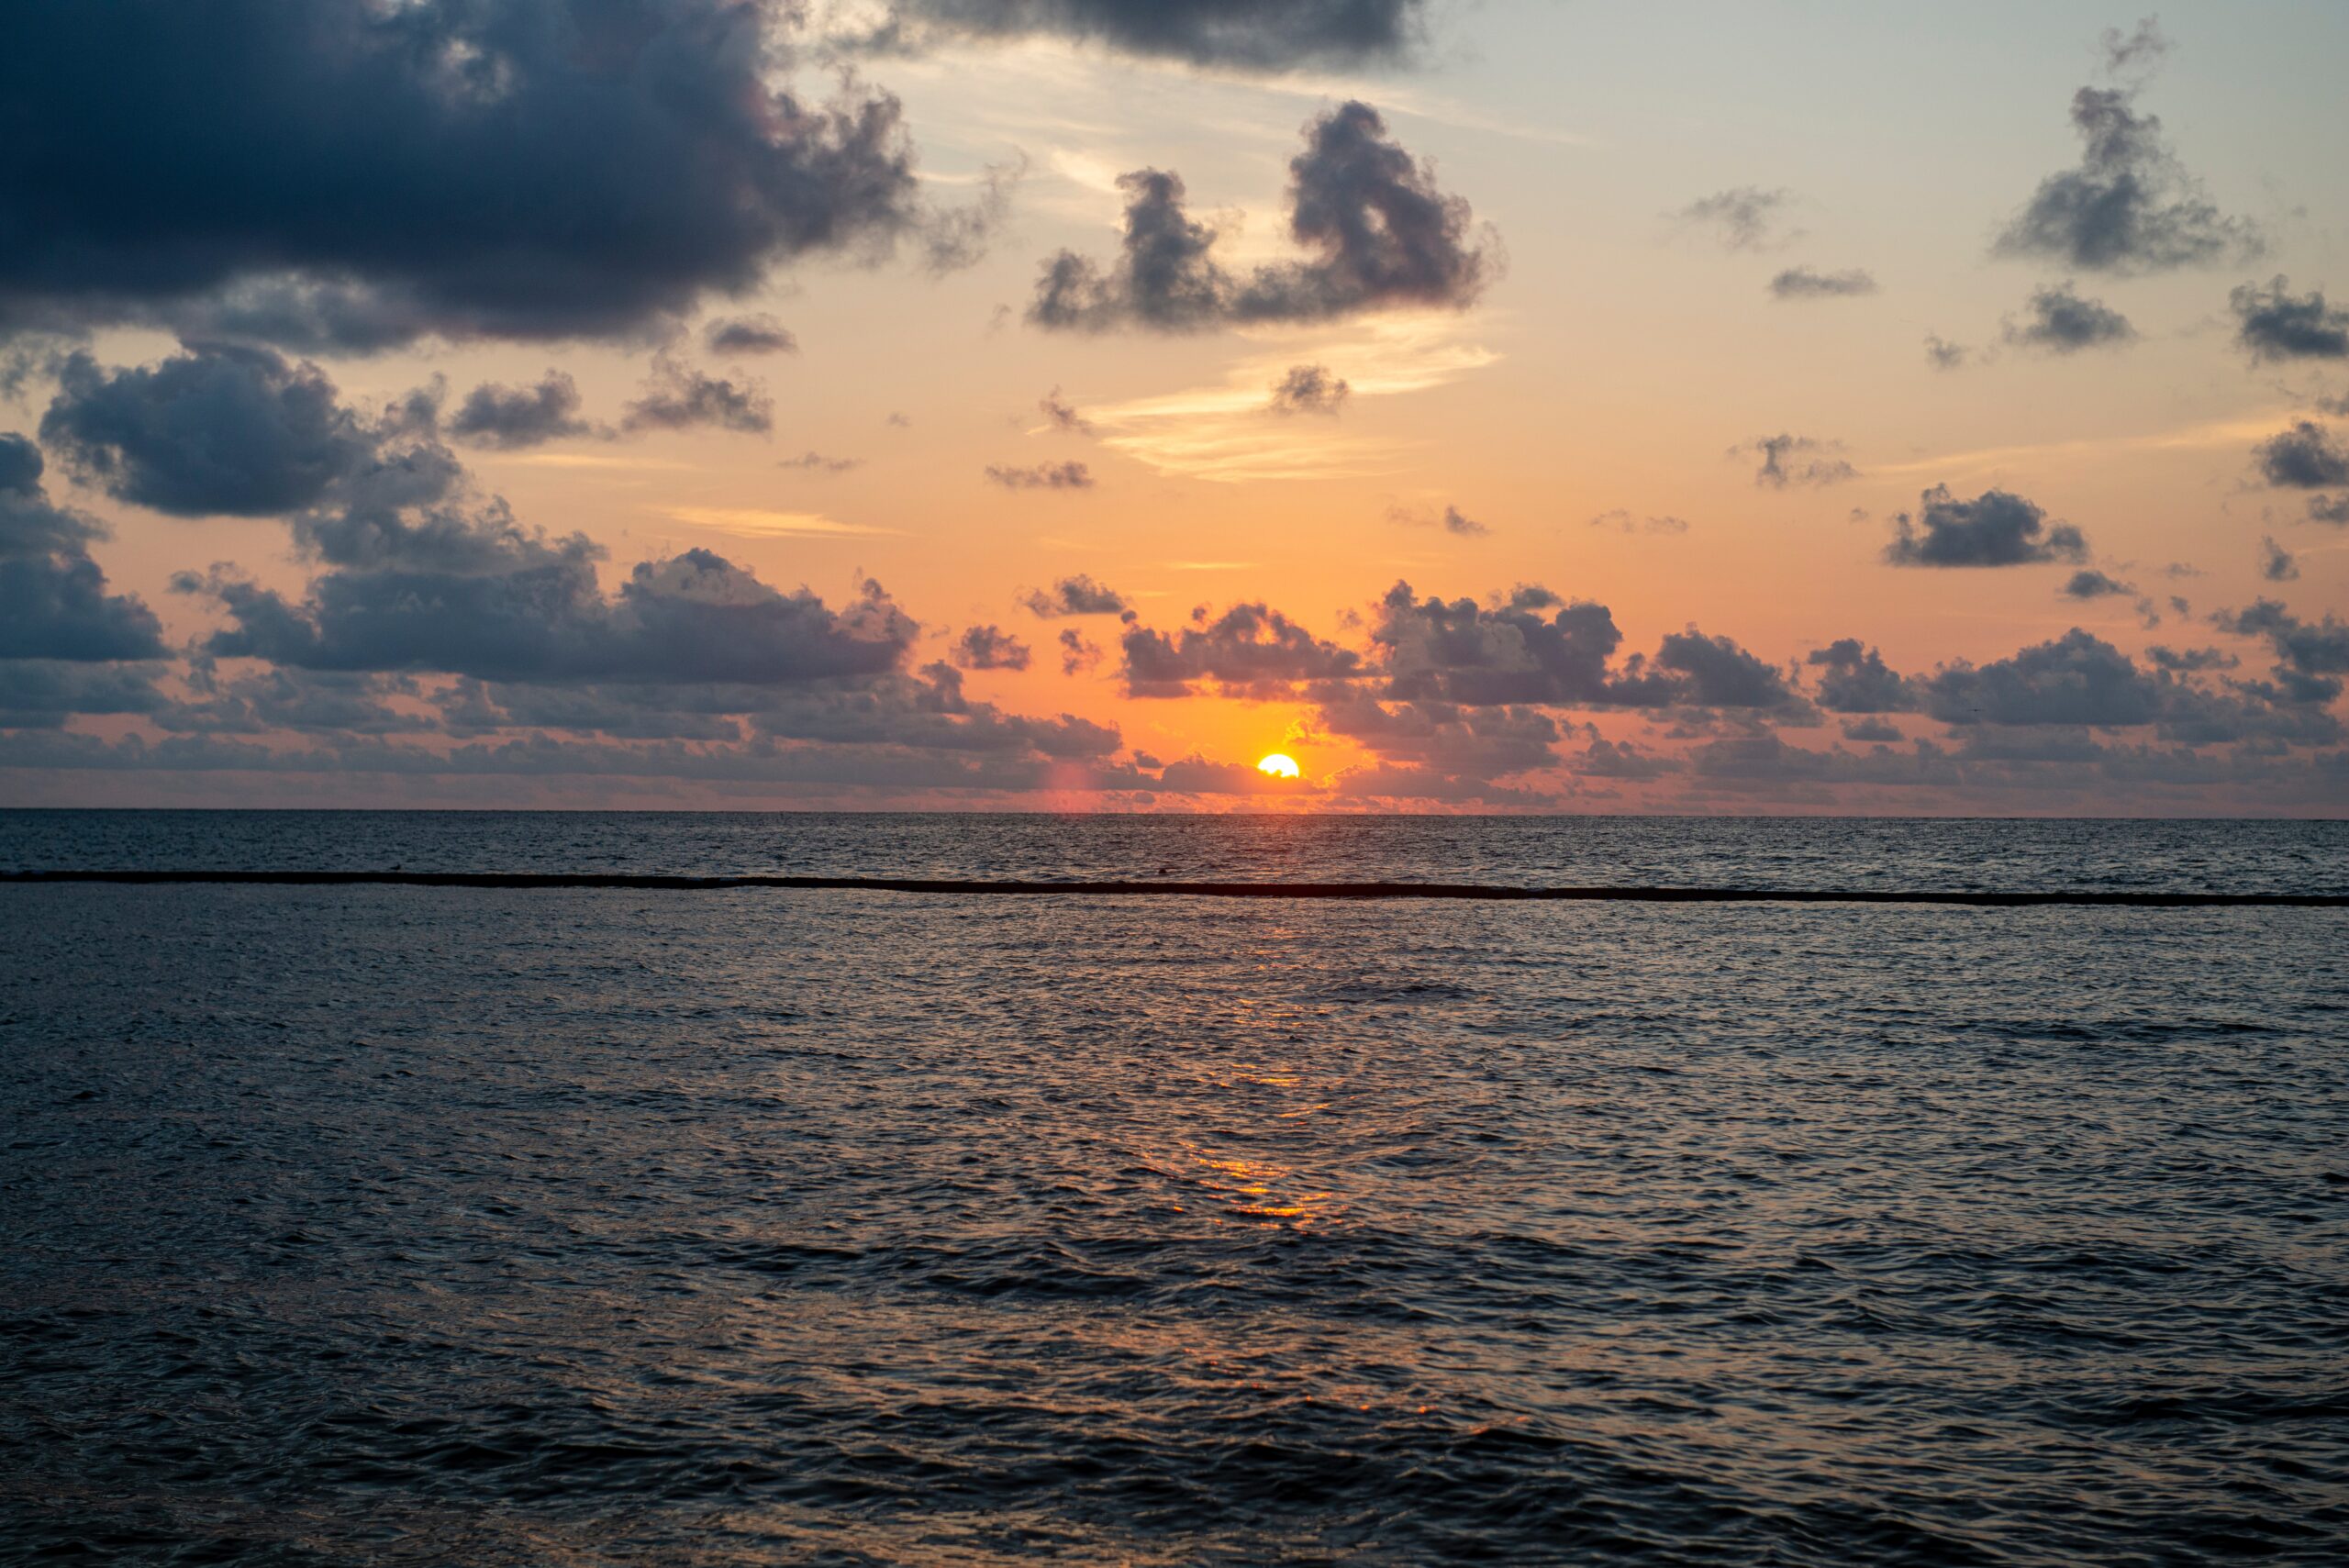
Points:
(1496, 404)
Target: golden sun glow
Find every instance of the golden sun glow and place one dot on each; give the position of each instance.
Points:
(1278, 765)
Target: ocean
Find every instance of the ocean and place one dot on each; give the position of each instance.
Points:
(420, 1225)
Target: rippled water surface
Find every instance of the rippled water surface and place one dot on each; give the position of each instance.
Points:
(415, 1224)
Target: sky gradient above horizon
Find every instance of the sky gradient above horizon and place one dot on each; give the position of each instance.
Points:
(1499, 404)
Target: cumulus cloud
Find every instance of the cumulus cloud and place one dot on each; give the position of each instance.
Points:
(54, 603)
(542, 617)
(679, 397)
(740, 335)
(2333, 509)
(510, 417)
(1808, 282)
(2306, 457)
(1995, 529)
(2276, 564)
(1248, 649)
(2077, 679)
(513, 168)
(1855, 679)
(1308, 389)
(2311, 656)
(2275, 324)
(1942, 354)
(1079, 652)
(2092, 584)
(2058, 320)
(1257, 34)
(1795, 460)
(990, 647)
(2128, 205)
(1042, 476)
(1745, 217)
(1376, 232)
(217, 429)
(1076, 595)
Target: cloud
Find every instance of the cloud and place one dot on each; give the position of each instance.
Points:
(2077, 679)
(1308, 389)
(1250, 649)
(2275, 324)
(1452, 520)
(740, 335)
(1853, 679)
(1808, 282)
(2138, 50)
(1795, 460)
(2058, 320)
(1743, 217)
(512, 417)
(2306, 457)
(1061, 416)
(817, 462)
(1078, 653)
(1042, 476)
(1268, 34)
(541, 616)
(2127, 206)
(215, 430)
(1623, 521)
(1995, 529)
(2276, 564)
(990, 647)
(1873, 729)
(2087, 584)
(2333, 509)
(536, 169)
(1077, 595)
(2311, 656)
(54, 603)
(678, 397)
(1942, 354)
(1377, 232)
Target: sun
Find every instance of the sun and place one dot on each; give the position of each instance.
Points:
(1278, 766)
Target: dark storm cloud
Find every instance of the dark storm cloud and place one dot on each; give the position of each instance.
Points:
(1259, 34)
(1808, 282)
(693, 618)
(678, 397)
(990, 647)
(1250, 649)
(1995, 529)
(1853, 679)
(54, 603)
(356, 175)
(1795, 460)
(2088, 584)
(2077, 679)
(2128, 207)
(2275, 324)
(1743, 217)
(2275, 562)
(216, 429)
(2060, 321)
(739, 335)
(1377, 229)
(1077, 595)
(511, 418)
(2306, 457)
(1042, 476)
(1308, 389)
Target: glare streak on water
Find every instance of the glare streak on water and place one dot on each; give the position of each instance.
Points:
(419, 1225)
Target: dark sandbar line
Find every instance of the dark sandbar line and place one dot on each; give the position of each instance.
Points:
(654, 881)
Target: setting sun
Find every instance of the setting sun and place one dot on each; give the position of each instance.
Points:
(1278, 765)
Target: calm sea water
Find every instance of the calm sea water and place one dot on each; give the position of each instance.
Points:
(400, 1225)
